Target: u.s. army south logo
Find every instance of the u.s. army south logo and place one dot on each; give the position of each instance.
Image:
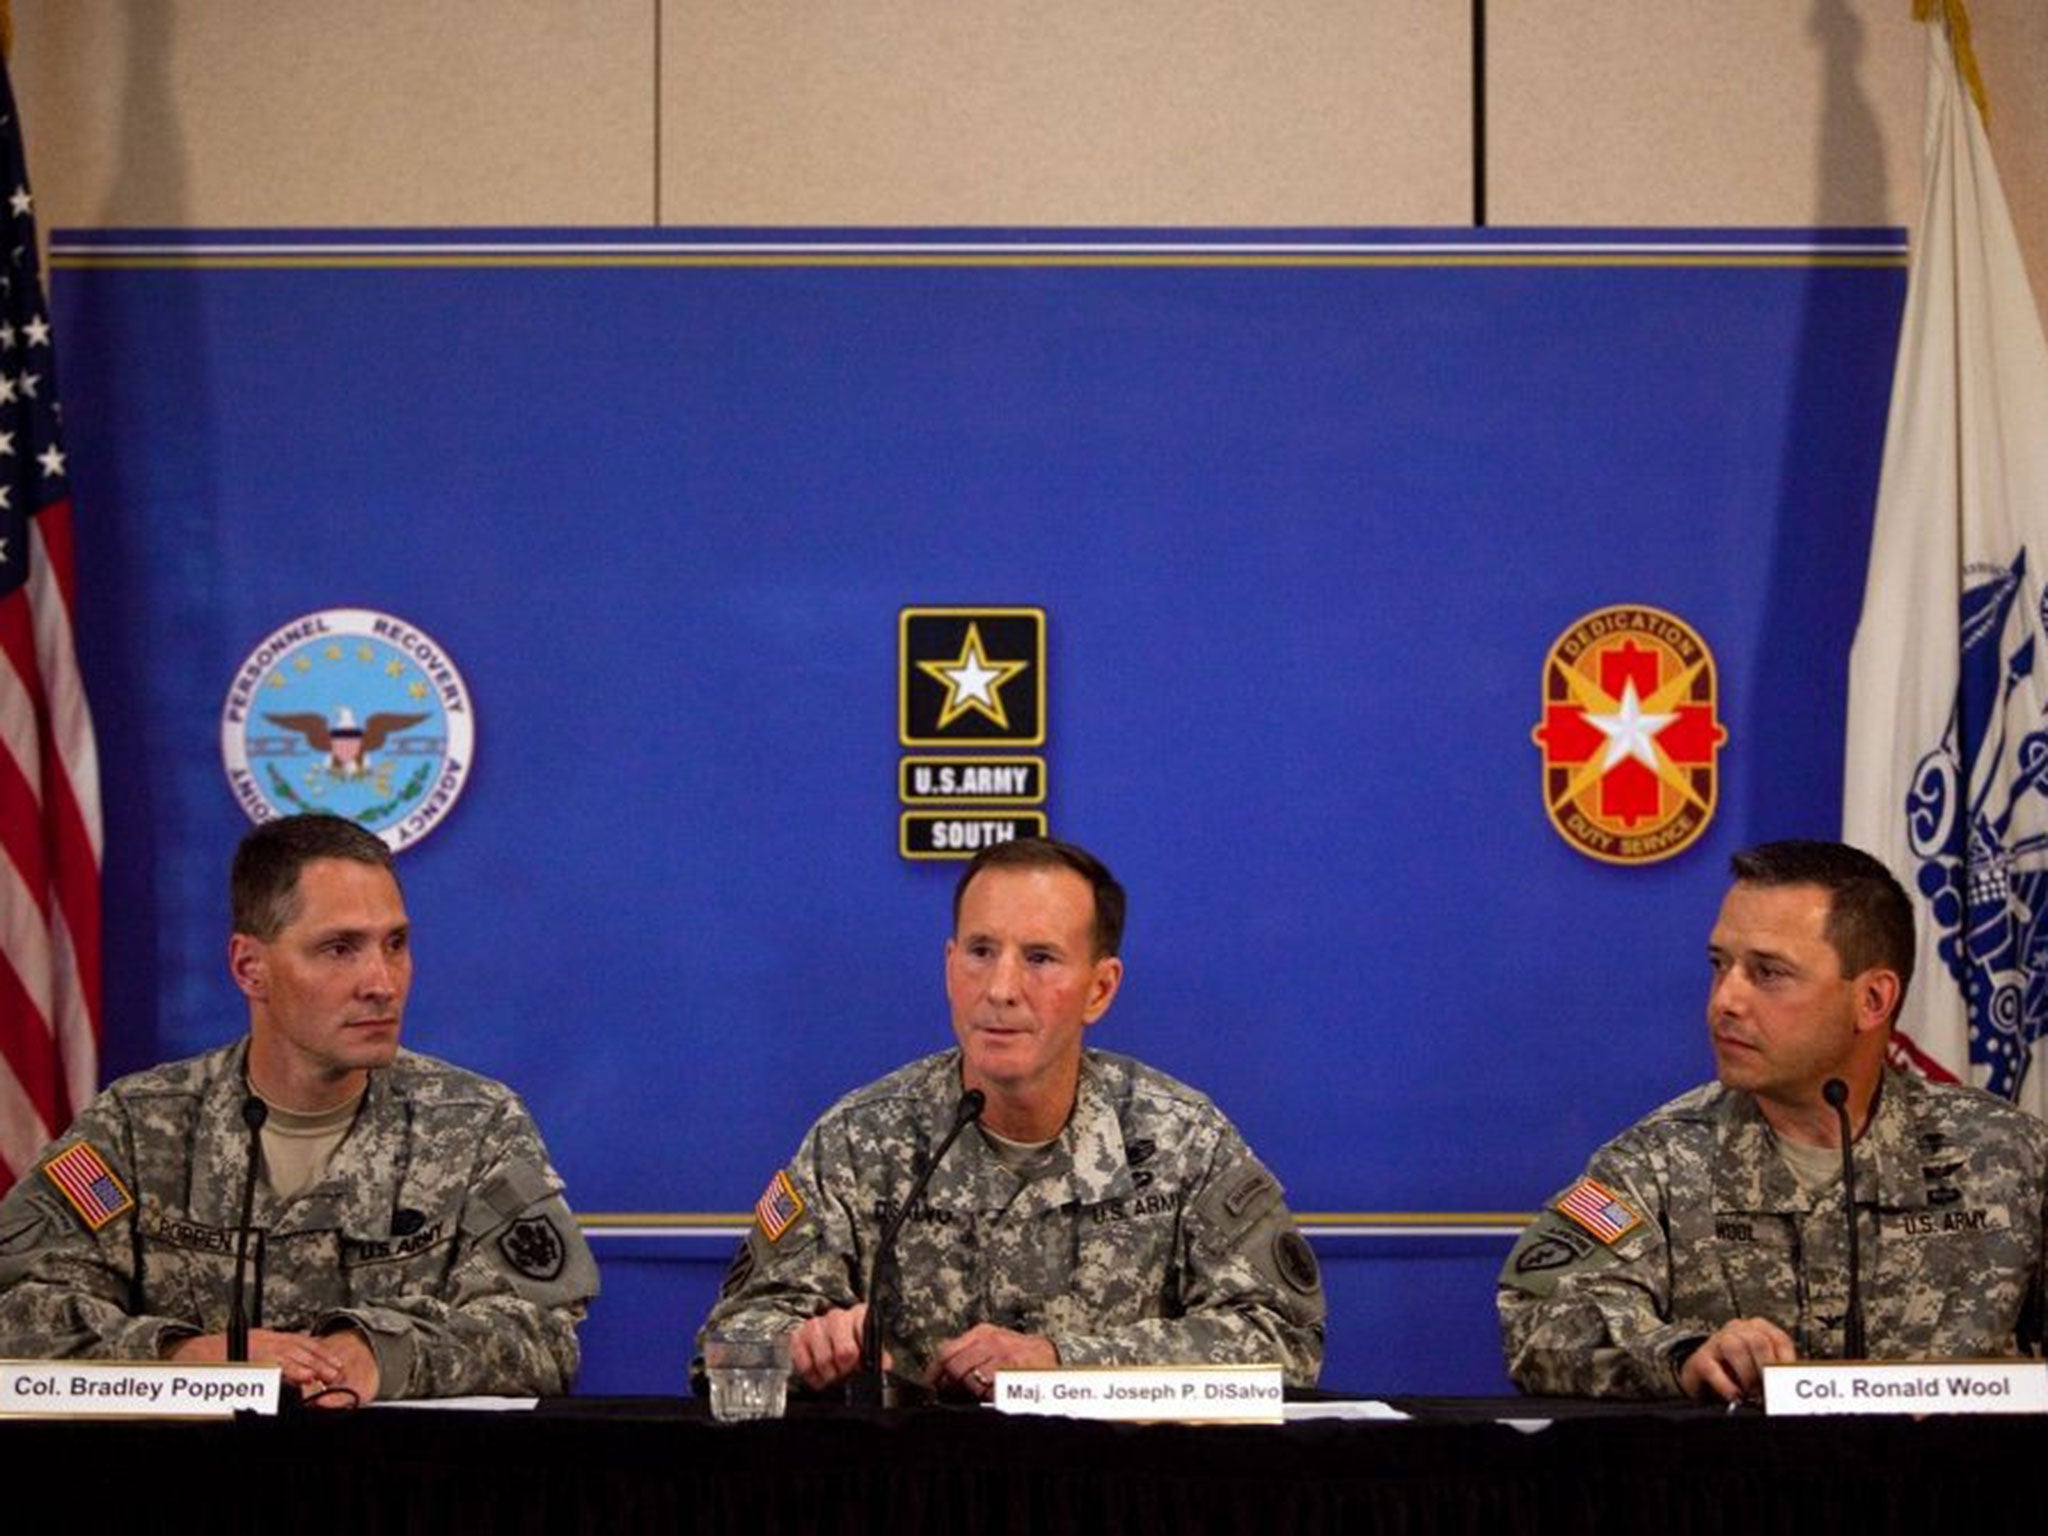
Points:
(1629, 734)
(969, 679)
(353, 712)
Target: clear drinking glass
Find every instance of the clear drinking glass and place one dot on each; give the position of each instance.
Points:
(749, 1375)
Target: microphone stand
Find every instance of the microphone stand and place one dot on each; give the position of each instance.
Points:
(869, 1387)
(254, 1113)
(1836, 1092)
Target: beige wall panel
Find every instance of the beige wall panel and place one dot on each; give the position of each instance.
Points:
(1062, 112)
(1679, 112)
(289, 112)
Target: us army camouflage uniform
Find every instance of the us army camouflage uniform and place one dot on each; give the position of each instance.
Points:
(438, 1229)
(1951, 1190)
(1150, 1235)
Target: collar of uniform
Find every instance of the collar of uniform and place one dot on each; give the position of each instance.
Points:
(1891, 1146)
(1750, 1173)
(218, 1156)
(1086, 1165)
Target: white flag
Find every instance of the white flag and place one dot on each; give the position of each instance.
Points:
(1947, 766)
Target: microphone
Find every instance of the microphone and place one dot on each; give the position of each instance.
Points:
(870, 1387)
(254, 1113)
(1836, 1092)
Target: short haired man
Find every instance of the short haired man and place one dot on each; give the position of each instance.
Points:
(1102, 1213)
(412, 1240)
(1709, 1239)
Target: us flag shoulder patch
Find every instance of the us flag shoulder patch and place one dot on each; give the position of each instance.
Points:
(1599, 1210)
(779, 1207)
(83, 1178)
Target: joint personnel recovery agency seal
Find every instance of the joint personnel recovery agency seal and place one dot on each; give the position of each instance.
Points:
(1629, 735)
(353, 712)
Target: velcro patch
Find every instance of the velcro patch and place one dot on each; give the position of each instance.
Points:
(1598, 1209)
(516, 1186)
(779, 1207)
(83, 1178)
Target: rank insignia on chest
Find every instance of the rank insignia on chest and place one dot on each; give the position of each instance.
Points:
(779, 1207)
(1599, 1210)
(84, 1179)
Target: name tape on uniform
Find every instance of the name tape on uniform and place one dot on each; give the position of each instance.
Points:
(1907, 1386)
(1187, 1394)
(135, 1389)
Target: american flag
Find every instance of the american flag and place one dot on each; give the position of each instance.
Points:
(1598, 1209)
(779, 1207)
(88, 1183)
(49, 772)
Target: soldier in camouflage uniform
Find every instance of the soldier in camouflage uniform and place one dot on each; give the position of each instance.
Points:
(1709, 1239)
(1102, 1213)
(423, 1248)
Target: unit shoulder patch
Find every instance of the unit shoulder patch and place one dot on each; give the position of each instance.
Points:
(532, 1246)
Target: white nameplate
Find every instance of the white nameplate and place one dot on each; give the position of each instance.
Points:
(1907, 1386)
(1236, 1394)
(129, 1389)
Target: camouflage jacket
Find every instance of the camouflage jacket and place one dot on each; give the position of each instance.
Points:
(1690, 1219)
(438, 1229)
(1148, 1235)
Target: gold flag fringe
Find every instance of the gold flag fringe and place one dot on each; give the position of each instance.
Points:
(1957, 16)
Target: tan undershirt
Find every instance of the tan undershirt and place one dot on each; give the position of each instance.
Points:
(296, 1147)
(1814, 1167)
(1016, 1155)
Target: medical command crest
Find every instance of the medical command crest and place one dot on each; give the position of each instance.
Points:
(352, 712)
(1629, 735)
